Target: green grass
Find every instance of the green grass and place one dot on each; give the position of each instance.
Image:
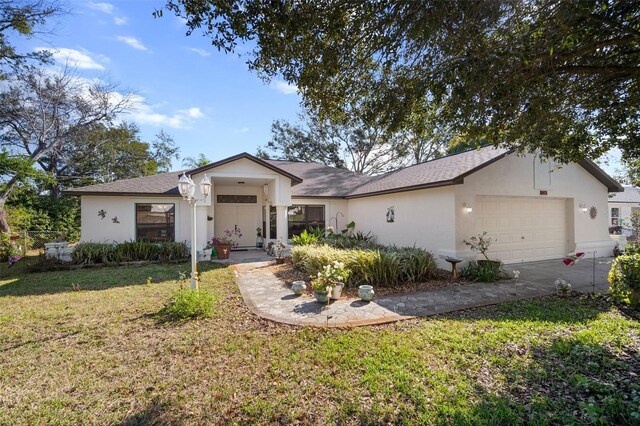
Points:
(86, 347)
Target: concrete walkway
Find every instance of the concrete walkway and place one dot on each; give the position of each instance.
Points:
(270, 298)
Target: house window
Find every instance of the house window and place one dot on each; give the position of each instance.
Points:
(240, 199)
(615, 216)
(155, 222)
(301, 217)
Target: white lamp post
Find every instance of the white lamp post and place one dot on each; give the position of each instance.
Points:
(188, 190)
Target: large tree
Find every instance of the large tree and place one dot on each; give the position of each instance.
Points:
(555, 75)
(41, 114)
(26, 18)
(101, 153)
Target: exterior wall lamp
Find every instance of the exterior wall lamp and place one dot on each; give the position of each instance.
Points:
(466, 208)
(188, 190)
(583, 208)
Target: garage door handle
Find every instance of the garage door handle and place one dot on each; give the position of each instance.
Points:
(522, 237)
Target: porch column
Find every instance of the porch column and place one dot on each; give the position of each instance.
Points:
(281, 222)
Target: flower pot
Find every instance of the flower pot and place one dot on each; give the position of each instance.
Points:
(223, 251)
(366, 293)
(336, 291)
(298, 287)
(321, 296)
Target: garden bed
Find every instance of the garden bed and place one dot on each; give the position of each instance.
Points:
(288, 273)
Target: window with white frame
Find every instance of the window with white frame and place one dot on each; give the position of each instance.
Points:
(615, 216)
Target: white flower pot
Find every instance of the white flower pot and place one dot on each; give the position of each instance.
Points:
(298, 287)
(336, 291)
(366, 293)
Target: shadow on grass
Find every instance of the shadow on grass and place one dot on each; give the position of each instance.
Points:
(155, 413)
(23, 283)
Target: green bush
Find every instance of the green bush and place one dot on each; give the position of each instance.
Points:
(88, 253)
(7, 248)
(307, 237)
(187, 304)
(624, 279)
(386, 266)
(632, 248)
(482, 271)
(130, 251)
(356, 241)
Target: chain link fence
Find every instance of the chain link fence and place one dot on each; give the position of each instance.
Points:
(28, 242)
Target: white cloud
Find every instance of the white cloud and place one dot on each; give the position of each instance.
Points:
(102, 7)
(144, 113)
(120, 20)
(284, 87)
(200, 52)
(133, 42)
(242, 130)
(74, 58)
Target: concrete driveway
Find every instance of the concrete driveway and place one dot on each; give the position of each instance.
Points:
(580, 275)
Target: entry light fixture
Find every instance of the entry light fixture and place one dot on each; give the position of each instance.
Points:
(583, 208)
(466, 208)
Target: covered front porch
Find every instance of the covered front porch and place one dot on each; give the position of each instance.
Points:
(247, 195)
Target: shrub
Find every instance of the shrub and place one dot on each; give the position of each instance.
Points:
(94, 253)
(486, 272)
(308, 237)
(356, 241)
(7, 248)
(186, 304)
(624, 279)
(632, 248)
(130, 251)
(386, 266)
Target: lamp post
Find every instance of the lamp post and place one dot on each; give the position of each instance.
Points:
(188, 190)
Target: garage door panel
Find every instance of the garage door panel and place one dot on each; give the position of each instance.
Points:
(523, 229)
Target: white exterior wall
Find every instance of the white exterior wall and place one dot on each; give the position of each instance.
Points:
(424, 218)
(514, 176)
(96, 229)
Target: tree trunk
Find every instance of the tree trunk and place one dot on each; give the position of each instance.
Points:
(4, 195)
(4, 225)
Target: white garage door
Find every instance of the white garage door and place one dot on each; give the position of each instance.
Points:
(523, 229)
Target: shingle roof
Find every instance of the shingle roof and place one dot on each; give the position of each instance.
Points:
(163, 184)
(442, 171)
(630, 195)
(319, 180)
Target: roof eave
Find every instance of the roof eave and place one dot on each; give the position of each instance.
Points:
(120, 194)
(408, 188)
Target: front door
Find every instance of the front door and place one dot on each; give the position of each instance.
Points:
(237, 216)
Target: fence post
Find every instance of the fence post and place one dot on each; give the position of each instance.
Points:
(24, 245)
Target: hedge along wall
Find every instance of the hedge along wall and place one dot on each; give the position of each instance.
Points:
(386, 266)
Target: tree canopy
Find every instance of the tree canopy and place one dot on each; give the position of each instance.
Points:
(558, 76)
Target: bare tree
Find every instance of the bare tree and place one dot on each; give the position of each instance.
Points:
(41, 111)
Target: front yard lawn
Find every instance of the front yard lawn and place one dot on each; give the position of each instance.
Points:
(86, 347)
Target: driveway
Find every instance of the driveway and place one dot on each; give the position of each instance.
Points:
(580, 275)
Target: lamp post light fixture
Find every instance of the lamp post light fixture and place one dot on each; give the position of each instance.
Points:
(188, 190)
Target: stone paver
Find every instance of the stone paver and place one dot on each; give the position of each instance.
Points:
(270, 298)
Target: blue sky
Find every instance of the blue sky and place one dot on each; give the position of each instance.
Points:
(208, 101)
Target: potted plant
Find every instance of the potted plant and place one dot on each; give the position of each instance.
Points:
(321, 289)
(480, 243)
(335, 275)
(259, 238)
(224, 244)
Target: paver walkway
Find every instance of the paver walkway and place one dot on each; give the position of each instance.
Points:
(268, 297)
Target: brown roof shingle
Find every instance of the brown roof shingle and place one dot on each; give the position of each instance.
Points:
(442, 171)
(163, 184)
(319, 180)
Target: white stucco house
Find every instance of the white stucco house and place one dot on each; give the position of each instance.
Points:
(532, 208)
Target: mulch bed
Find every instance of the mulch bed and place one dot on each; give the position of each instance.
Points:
(289, 273)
